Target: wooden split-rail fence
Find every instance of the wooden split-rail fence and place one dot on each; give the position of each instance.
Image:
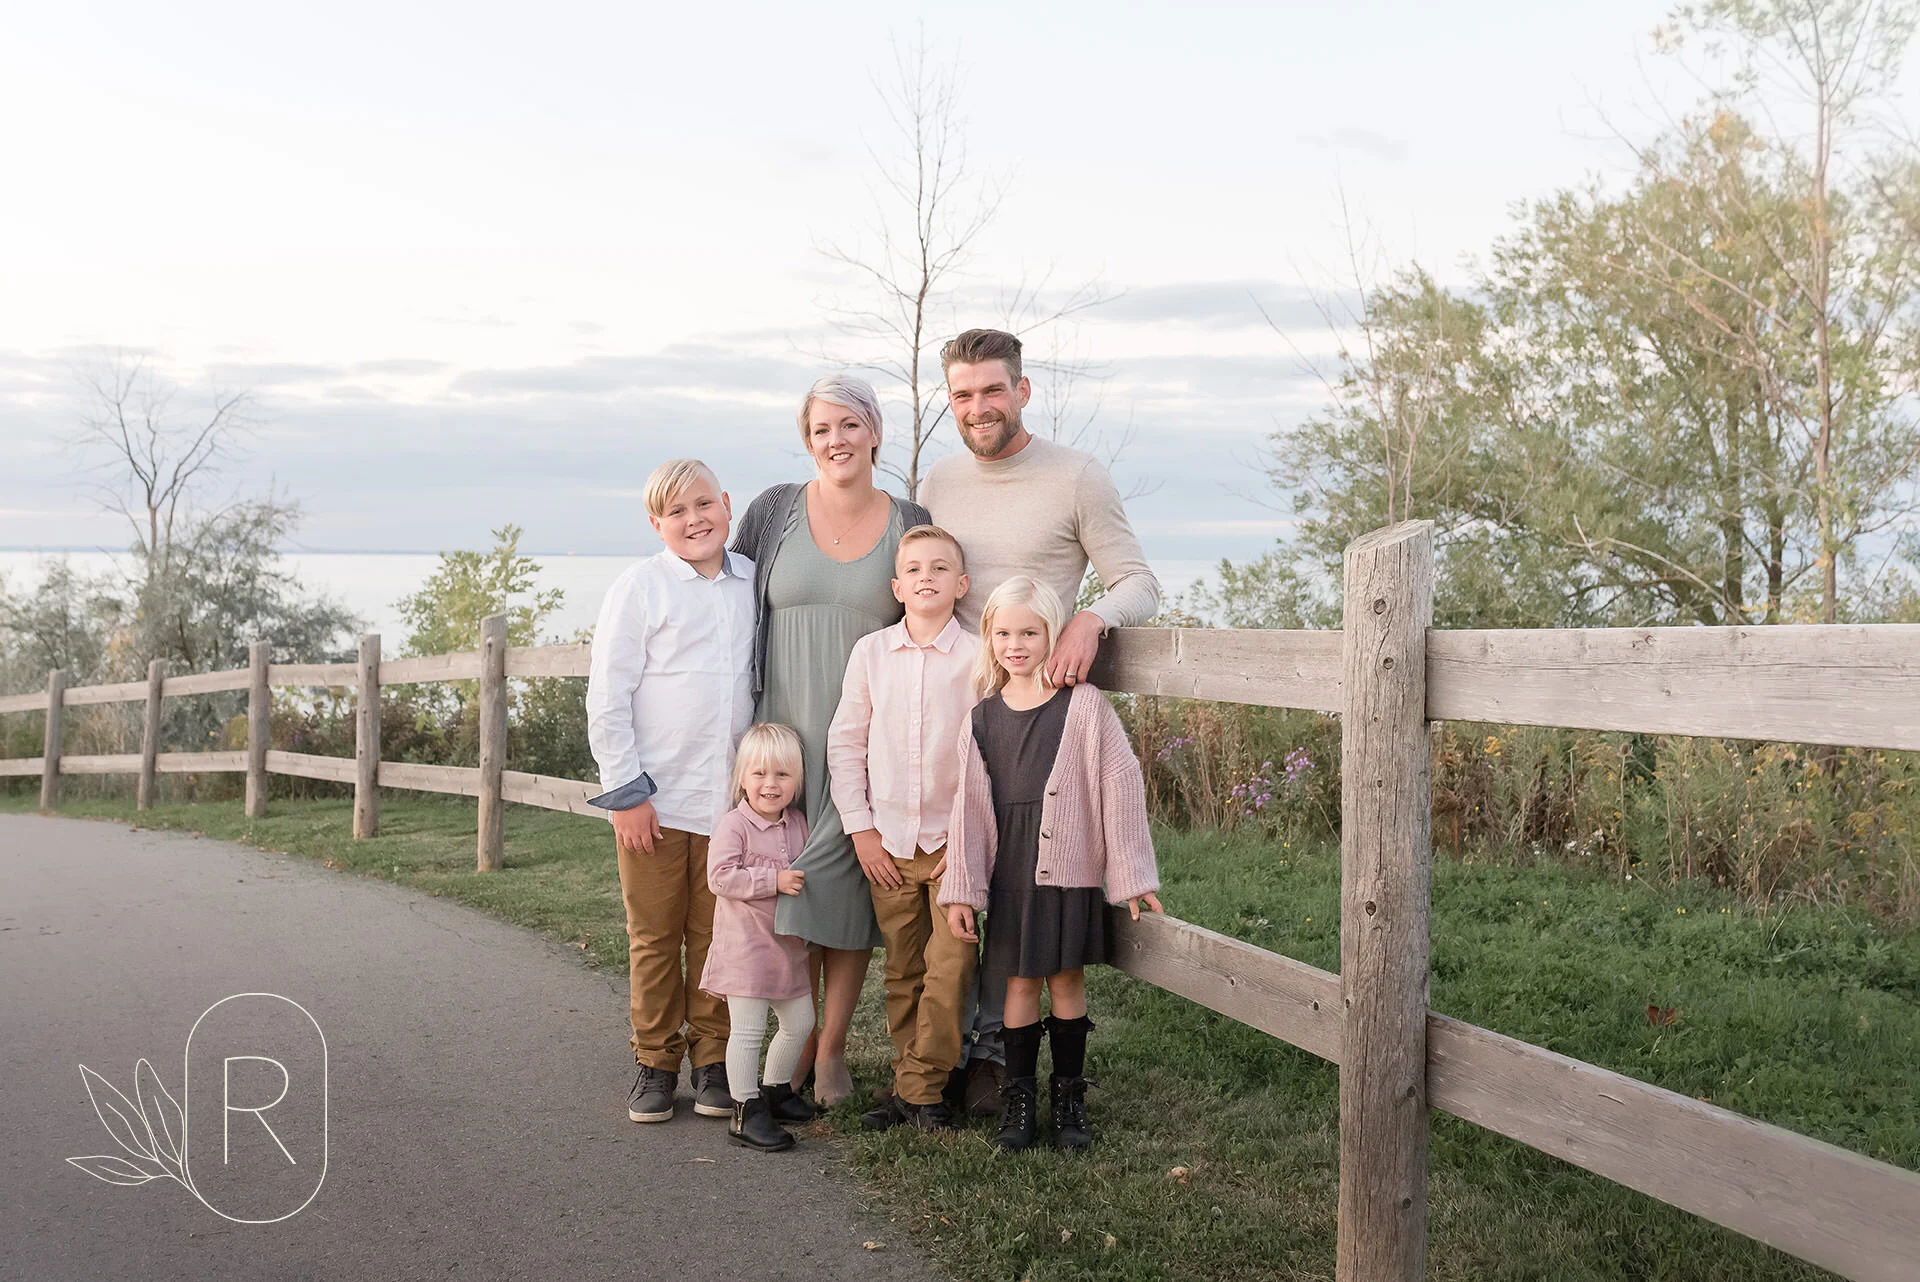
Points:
(1388, 675)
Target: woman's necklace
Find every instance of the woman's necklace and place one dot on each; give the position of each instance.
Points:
(829, 524)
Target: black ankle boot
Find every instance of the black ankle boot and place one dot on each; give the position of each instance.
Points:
(753, 1126)
(1019, 1114)
(1071, 1133)
(785, 1104)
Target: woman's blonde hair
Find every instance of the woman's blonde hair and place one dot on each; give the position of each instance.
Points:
(856, 394)
(771, 744)
(1024, 590)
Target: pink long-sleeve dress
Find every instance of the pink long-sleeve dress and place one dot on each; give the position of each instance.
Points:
(745, 857)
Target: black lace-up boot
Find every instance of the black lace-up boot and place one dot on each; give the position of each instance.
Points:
(1071, 1133)
(1019, 1114)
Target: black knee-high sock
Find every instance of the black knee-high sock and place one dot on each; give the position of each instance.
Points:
(1023, 1050)
(1068, 1040)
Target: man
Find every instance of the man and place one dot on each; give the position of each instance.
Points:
(1023, 505)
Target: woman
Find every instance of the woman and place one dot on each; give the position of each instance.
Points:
(823, 572)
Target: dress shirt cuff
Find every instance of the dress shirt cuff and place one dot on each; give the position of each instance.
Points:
(852, 821)
(627, 795)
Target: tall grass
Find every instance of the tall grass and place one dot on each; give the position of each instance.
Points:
(1771, 822)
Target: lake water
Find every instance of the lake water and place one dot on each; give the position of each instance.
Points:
(370, 583)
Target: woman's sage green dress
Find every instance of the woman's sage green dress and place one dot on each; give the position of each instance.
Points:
(819, 607)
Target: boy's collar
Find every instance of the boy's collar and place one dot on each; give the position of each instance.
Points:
(683, 569)
(943, 642)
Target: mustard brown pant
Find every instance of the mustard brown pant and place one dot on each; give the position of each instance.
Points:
(670, 908)
(928, 973)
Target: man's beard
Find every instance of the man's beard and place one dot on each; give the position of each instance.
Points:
(1009, 428)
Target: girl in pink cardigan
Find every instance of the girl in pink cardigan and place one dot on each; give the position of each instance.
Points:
(750, 862)
(1051, 807)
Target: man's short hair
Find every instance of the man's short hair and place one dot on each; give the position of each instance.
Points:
(672, 479)
(977, 345)
(921, 532)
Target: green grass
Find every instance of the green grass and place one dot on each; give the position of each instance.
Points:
(1807, 1018)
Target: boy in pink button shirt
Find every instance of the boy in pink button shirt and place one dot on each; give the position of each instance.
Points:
(893, 757)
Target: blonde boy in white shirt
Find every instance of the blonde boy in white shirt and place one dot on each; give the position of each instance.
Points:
(892, 752)
(668, 696)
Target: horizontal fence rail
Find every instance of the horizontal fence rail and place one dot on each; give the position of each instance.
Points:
(1850, 686)
(1835, 1208)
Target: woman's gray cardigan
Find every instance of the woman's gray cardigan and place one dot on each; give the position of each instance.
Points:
(759, 538)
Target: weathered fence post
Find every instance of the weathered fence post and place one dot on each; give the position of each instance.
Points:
(493, 739)
(366, 740)
(50, 752)
(1385, 849)
(150, 734)
(259, 706)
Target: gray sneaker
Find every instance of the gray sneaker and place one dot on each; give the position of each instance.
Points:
(710, 1095)
(651, 1097)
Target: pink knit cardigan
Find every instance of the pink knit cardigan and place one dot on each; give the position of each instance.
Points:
(1093, 820)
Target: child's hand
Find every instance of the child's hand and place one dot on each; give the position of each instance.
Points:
(960, 922)
(1150, 900)
(874, 859)
(790, 880)
(637, 827)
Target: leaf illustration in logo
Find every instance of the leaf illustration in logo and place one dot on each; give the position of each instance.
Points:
(114, 1169)
(118, 1113)
(166, 1125)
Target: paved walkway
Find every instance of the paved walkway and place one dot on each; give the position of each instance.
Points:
(476, 1083)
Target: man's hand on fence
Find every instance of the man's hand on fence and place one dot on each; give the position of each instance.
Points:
(1152, 901)
(637, 827)
(960, 922)
(1074, 653)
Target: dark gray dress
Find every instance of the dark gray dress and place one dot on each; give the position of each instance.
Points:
(1032, 930)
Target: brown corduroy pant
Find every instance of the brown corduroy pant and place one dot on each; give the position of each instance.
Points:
(670, 908)
(928, 973)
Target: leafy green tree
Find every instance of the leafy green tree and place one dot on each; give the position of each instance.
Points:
(443, 616)
(224, 585)
(1844, 246)
(66, 621)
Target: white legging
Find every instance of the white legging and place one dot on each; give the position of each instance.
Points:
(749, 1019)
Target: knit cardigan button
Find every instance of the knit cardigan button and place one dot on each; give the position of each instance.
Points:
(1045, 835)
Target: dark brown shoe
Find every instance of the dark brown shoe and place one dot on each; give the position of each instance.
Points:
(986, 1081)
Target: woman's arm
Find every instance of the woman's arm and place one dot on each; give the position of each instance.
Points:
(750, 536)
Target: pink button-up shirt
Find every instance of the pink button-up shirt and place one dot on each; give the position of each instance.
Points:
(892, 750)
(745, 856)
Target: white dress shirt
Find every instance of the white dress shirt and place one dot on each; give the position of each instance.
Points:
(670, 690)
(893, 749)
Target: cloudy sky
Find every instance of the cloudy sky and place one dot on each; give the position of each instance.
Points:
(482, 263)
